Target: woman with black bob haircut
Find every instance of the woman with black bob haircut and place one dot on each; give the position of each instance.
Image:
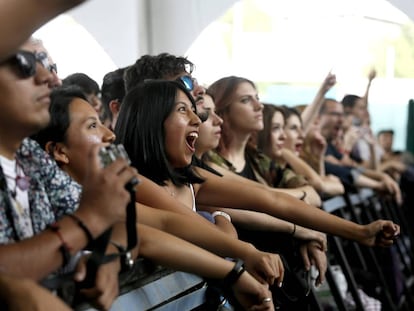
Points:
(140, 128)
(59, 123)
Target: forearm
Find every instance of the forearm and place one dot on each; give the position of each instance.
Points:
(365, 97)
(175, 253)
(299, 166)
(20, 18)
(217, 192)
(25, 294)
(258, 221)
(365, 182)
(297, 211)
(332, 187)
(40, 255)
(321, 162)
(373, 157)
(195, 229)
(312, 196)
(373, 174)
(311, 111)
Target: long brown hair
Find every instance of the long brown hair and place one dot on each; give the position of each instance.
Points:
(223, 91)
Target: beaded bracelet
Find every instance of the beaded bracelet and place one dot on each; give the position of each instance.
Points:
(64, 247)
(234, 274)
(82, 225)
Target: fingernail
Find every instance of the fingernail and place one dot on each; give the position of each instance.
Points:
(280, 284)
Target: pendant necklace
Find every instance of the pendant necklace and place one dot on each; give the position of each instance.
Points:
(20, 181)
(169, 191)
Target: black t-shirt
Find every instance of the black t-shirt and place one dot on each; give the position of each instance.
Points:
(247, 172)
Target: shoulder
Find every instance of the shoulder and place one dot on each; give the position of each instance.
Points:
(216, 158)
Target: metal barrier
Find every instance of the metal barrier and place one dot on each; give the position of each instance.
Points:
(149, 287)
(363, 207)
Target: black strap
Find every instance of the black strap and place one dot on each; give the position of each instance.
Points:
(98, 256)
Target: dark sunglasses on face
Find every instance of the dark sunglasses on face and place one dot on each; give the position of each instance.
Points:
(188, 81)
(26, 62)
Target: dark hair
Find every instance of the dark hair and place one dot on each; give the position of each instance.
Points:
(349, 101)
(385, 131)
(162, 66)
(86, 83)
(291, 111)
(223, 92)
(60, 100)
(323, 106)
(113, 87)
(263, 136)
(140, 127)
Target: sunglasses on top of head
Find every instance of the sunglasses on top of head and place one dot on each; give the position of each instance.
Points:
(26, 62)
(188, 81)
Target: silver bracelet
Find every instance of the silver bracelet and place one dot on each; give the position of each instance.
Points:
(221, 213)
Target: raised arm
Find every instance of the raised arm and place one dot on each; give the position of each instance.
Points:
(311, 111)
(371, 76)
(329, 186)
(20, 18)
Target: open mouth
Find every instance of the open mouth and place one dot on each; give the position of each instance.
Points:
(191, 139)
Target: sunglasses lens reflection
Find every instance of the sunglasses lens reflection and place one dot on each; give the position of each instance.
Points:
(26, 63)
(188, 82)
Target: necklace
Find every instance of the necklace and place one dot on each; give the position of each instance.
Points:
(169, 191)
(20, 181)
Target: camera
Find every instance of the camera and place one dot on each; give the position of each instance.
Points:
(112, 152)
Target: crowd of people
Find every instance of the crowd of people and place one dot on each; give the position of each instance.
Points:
(221, 185)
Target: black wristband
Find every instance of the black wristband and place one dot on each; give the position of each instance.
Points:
(302, 198)
(294, 230)
(81, 225)
(234, 274)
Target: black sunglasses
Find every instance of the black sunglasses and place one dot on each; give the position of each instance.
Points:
(26, 62)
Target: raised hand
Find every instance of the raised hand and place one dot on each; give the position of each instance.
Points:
(328, 83)
(372, 74)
